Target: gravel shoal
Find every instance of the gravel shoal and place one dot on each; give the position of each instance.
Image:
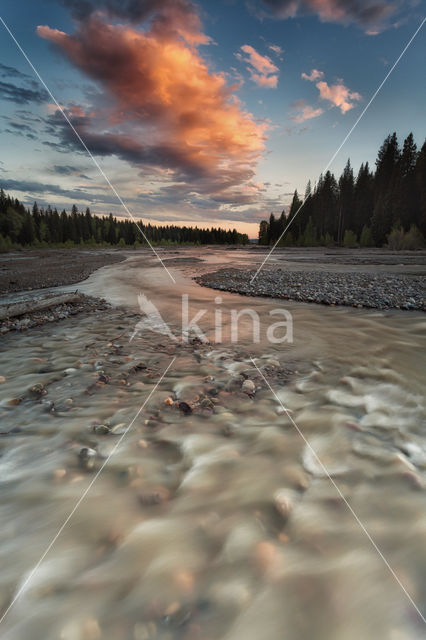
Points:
(374, 291)
(85, 304)
(38, 269)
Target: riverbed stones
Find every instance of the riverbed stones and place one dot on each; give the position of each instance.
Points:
(354, 289)
(37, 390)
(283, 503)
(70, 371)
(185, 407)
(101, 429)
(87, 458)
(248, 387)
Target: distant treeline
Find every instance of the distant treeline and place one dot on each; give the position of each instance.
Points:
(384, 207)
(39, 227)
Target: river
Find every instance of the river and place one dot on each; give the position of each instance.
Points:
(220, 524)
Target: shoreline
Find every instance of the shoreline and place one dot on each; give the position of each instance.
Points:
(350, 289)
(45, 268)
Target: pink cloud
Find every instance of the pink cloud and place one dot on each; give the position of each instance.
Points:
(261, 68)
(161, 107)
(306, 112)
(339, 95)
(314, 75)
(277, 50)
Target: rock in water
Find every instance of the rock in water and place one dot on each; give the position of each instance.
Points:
(185, 408)
(283, 503)
(86, 458)
(248, 387)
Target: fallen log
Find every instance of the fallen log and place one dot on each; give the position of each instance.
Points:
(30, 306)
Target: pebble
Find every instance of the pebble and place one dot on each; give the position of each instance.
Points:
(283, 503)
(101, 429)
(248, 387)
(273, 363)
(38, 390)
(87, 457)
(185, 408)
(118, 428)
(2, 379)
(11, 402)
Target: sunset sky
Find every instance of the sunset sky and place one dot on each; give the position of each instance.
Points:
(207, 113)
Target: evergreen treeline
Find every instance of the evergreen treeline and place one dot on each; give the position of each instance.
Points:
(385, 207)
(39, 227)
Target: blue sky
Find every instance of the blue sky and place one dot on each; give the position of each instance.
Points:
(199, 113)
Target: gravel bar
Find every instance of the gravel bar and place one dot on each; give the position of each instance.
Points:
(82, 304)
(373, 291)
(38, 269)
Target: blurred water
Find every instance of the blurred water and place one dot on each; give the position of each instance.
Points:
(220, 524)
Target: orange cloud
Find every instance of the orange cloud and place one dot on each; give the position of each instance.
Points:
(339, 95)
(306, 112)
(261, 68)
(166, 108)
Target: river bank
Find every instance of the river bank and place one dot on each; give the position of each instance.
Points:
(42, 268)
(353, 289)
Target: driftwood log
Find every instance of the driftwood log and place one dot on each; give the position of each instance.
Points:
(30, 306)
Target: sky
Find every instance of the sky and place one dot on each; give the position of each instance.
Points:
(202, 113)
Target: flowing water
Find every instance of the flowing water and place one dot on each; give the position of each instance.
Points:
(220, 523)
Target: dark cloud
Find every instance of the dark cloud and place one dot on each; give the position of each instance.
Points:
(29, 92)
(181, 161)
(366, 13)
(132, 10)
(19, 128)
(21, 95)
(69, 170)
(12, 72)
(27, 116)
(30, 136)
(38, 188)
